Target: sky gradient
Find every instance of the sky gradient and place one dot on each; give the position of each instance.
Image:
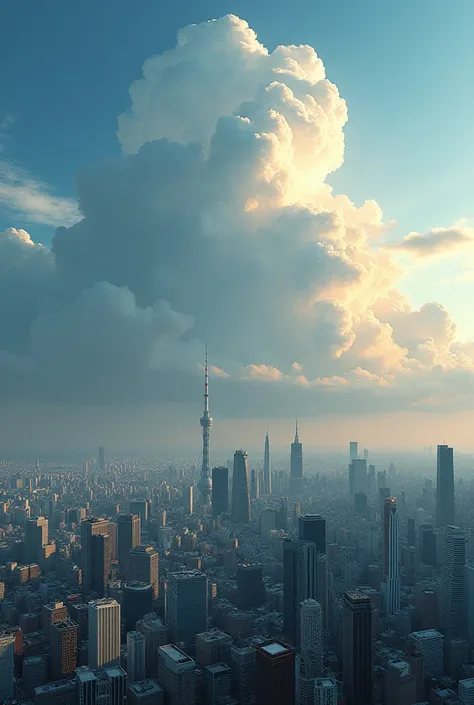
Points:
(306, 211)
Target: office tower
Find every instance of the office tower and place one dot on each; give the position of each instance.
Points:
(411, 531)
(52, 613)
(240, 488)
(429, 610)
(391, 568)
(213, 646)
(360, 504)
(7, 653)
(137, 602)
(101, 459)
(218, 683)
(243, 673)
(353, 451)
(267, 522)
(466, 691)
(36, 538)
(220, 490)
(86, 471)
(366, 454)
(101, 555)
(128, 537)
(148, 692)
(104, 633)
(267, 475)
(275, 669)
(453, 583)
(139, 507)
(296, 465)
(63, 645)
(325, 691)
(135, 657)
(107, 686)
(357, 648)
(428, 545)
(445, 487)
(469, 578)
(188, 499)
(254, 484)
(143, 566)
(358, 476)
(311, 648)
(430, 645)
(90, 528)
(250, 587)
(187, 607)
(156, 634)
(400, 684)
(177, 675)
(304, 577)
(205, 481)
(371, 479)
(312, 527)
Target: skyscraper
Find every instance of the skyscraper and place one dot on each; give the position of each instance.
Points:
(296, 465)
(104, 633)
(391, 569)
(275, 665)
(143, 566)
(177, 675)
(63, 646)
(267, 475)
(36, 538)
(101, 459)
(128, 537)
(302, 580)
(453, 583)
(311, 649)
(240, 488)
(312, 527)
(101, 554)
(325, 691)
(430, 645)
(250, 587)
(445, 487)
(187, 607)
(357, 648)
(358, 478)
(220, 490)
(90, 528)
(135, 657)
(205, 481)
(7, 654)
(353, 451)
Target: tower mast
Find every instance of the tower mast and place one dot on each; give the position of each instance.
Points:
(205, 482)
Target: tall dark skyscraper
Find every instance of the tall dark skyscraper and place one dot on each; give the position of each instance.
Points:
(391, 567)
(453, 583)
(89, 528)
(296, 464)
(357, 648)
(128, 537)
(250, 587)
(275, 665)
(187, 607)
(101, 459)
(267, 475)
(312, 527)
(445, 487)
(220, 490)
(36, 538)
(241, 488)
(101, 554)
(205, 481)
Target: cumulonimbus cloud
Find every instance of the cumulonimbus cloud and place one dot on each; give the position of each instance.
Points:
(217, 224)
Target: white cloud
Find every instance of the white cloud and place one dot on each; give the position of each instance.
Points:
(437, 241)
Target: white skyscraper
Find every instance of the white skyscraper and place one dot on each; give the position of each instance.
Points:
(391, 569)
(135, 656)
(104, 633)
(311, 655)
(7, 651)
(453, 583)
(325, 691)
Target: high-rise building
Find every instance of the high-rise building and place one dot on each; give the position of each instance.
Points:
(218, 683)
(101, 459)
(90, 528)
(140, 507)
(156, 634)
(213, 646)
(275, 666)
(143, 566)
(357, 648)
(177, 675)
(240, 488)
(7, 664)
(445, 487)
(267, 475)
(428, 545)
(52, 613)
(205, 481)
(453, 583)
(391, 567)
(243, 673)
(296, 465)
(353, 451)
(137, 602)
(136, 669)
(36, 538)
(107, 686)
(147, 692)
(104, 633)
(188, 499)
(250, 587)
(220, 490)
(254, 484)
(101, 554)
(325, 691)
(312, 527)
(430, 645)
(311, 648)
(63, 645)
(128, 537)
(466, 691)
(400, 684)
(187, 607)
(358, 478)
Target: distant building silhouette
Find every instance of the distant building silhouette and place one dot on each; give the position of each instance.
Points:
(240, 488)
(445, 514)
(296, 465)
(220, 490)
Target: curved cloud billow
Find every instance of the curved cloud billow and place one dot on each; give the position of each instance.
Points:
(217, 224)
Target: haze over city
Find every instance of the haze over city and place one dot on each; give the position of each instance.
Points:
(264, 182)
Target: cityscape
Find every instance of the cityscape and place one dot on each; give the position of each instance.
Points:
(124, 582)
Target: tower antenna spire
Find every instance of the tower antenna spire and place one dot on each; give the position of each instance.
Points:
(296, 431)
(205, 481)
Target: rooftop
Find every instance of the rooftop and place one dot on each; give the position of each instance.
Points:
(218, 668)
(188, 574)
(147, 687)
(175, 654)
(275, 648)
(427, 634)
